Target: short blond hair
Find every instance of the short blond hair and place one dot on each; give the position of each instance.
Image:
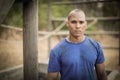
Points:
(75, 11)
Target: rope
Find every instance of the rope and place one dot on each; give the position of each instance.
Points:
(53, 32)
(93, 23)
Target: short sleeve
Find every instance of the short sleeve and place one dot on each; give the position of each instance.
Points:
(100, 55)
(54, 65)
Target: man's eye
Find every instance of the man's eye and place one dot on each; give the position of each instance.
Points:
(81, 22)
(73, 22)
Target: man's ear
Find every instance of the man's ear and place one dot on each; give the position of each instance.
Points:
(66, 22)
(86, 24)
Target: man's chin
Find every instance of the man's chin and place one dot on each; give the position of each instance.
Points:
(78, 35)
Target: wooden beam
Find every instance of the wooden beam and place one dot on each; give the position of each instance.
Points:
(80, 2)
(90, 19)
(4, 8)
(64, 33)
(30, 39)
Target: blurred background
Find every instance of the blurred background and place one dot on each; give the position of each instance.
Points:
(103, 19)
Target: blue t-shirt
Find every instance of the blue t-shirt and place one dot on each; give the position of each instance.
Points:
(76, 61)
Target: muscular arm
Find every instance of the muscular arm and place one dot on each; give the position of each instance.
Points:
(52, 76)
(100, 71)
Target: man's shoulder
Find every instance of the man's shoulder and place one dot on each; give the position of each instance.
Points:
(60, 44)
(93, 41)
(58, 48)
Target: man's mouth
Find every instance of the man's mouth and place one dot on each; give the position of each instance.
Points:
(77, 31)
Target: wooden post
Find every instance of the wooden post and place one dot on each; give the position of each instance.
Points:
(119, 45)
(30, 39)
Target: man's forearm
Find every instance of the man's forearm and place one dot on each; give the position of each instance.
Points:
(51, 78)
(102, 77)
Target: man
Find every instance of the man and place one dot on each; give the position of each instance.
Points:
(76, 56)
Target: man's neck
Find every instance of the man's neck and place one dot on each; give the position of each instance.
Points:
(75, 39)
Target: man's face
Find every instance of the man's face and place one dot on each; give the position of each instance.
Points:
(77, 24)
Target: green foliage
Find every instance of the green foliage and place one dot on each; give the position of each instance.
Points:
(43, 16)
(112, 8)
(14, 16)
(92, 28)
(61, 10)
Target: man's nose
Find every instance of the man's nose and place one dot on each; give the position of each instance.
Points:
(78, 25)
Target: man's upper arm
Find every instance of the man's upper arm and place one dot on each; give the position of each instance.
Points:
(52, 76)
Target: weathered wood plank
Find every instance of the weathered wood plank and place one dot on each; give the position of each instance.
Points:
(90, 19)
(30, 35)
(80, 2)
(5, 6)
